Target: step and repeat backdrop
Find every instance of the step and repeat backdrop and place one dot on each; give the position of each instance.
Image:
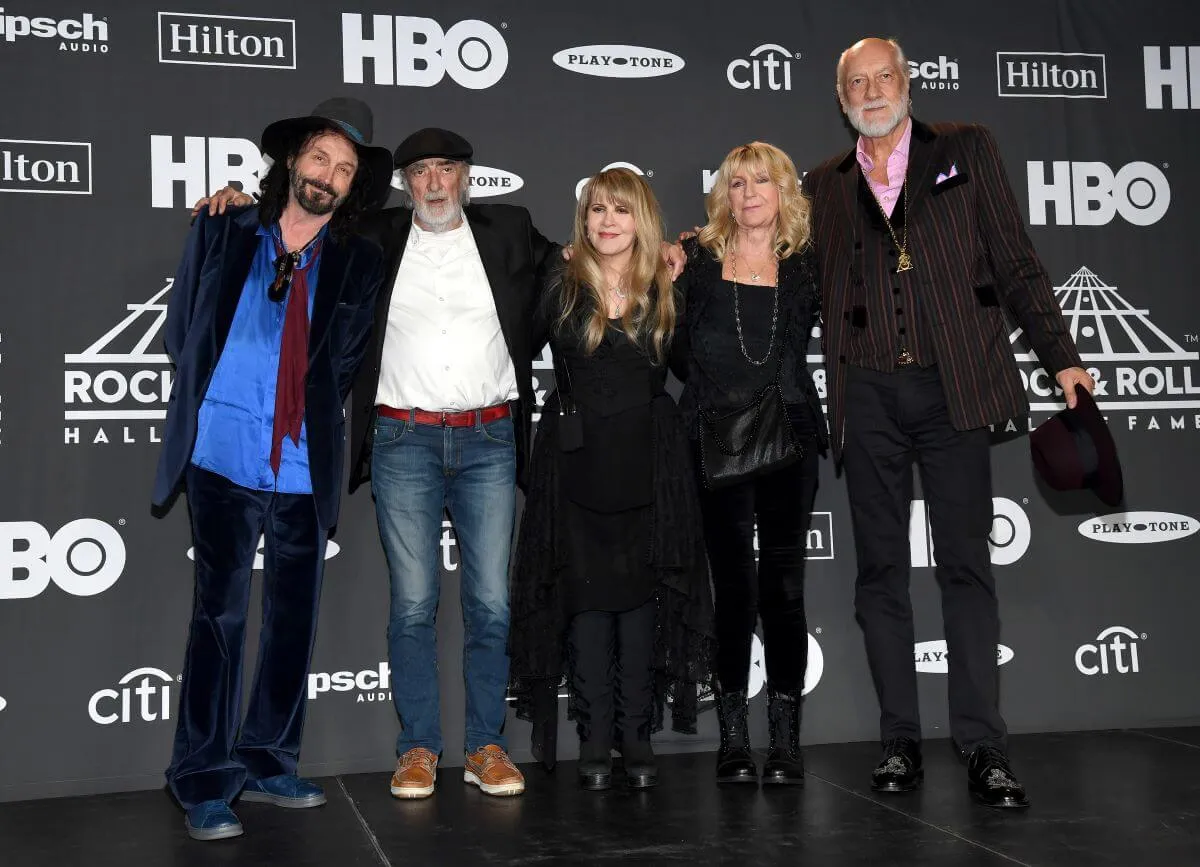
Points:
(119, 115)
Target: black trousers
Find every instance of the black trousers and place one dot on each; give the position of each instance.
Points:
(892, 418)
(612, 673)
(771, 588)
(215, 749)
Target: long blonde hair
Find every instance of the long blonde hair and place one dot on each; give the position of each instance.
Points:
(648, 316)
(795, 213)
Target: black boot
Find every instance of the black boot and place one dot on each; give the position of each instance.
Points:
(634, 691)
(785, 764)
(734, 762)
(591, 641)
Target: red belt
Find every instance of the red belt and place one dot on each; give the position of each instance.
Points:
(466, 418)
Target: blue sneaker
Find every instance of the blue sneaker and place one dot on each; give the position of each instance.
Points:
(285, 790)
(212, 820)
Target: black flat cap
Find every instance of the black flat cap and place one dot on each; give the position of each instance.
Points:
(432, 142)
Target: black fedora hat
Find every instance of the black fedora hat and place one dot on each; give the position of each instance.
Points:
(1074, 450)
(353, 118)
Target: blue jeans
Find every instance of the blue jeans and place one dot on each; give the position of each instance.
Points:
(416, 472)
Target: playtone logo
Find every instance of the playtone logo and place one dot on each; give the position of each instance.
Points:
(1138, 528)
(87, 34)
(485, 182)
(55, 167)
(619, 61)
(1180, 74)
(416, 52)
(153, 691)
(85, 557)
(1051, 74)
(226, 40)
(1092, 194)
(932, 657)
(332, 549)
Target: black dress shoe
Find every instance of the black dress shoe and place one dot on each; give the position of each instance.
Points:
(900, 770)
(991, 781)
(641, 771)
(595, 766)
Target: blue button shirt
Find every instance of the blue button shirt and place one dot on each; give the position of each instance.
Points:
(237, 416)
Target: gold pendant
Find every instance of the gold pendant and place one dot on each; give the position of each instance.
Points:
(905, 262)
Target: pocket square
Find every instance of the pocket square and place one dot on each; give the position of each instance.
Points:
(943, 177)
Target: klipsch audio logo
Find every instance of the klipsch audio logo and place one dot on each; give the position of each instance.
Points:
(226, 40)
(368, 685)
(116, 390)
(618, 61)
(1008, 540)
(1139, 528)
(1092, 194)
(84, 557)
(87, 34)
(932, 657)
(1137, 366)
(142, 695)
(332, 549)
(1051, 74)
(63, 167)
(1115, 652)
(1179, 74)
(485, 181)
(417, 52)
(758, 666)
(940, 74)
(768, 67)
(191, 167)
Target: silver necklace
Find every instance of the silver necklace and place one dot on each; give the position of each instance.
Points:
(737, 318)
(621, 296)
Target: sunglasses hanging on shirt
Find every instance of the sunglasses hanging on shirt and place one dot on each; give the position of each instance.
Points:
(285, 266)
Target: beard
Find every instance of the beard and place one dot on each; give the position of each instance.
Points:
(314, 196)
(896, 112)
(438, 211)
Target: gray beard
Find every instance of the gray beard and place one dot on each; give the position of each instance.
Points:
(878, 128)
(437, 222)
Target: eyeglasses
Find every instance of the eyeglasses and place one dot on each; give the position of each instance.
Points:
(284, 266)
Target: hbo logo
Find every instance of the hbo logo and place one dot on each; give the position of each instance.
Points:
(409, 50)
(1091, 194)
(84, 558)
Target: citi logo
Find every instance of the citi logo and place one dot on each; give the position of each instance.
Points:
(618, 61)
(1115, 652)
(84, 557)
(56, 167)
(485, 182)
(190, 167)
(1179, 73)
(940, 74)
(372, 684)
(769, 66)
(1051, 74)
(1008, 540)
(617, 165)
(416, 52)
(332, 549)
(226, 40)
(1092, 194)
(143, 694)
(758, 666)
(932, 657)
(1139, 528)
(85, 34)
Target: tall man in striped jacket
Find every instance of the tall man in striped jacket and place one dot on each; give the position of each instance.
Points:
(919, 243)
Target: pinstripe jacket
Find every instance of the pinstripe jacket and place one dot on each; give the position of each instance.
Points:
(971, 254)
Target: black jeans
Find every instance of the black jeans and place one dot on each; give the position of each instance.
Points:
(892, 418)
(771, 588)
(612, 673)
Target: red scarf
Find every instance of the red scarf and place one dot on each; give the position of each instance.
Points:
(293, 361)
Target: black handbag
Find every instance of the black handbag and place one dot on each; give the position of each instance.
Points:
(748, 441)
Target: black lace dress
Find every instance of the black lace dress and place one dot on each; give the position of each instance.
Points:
(608, 524)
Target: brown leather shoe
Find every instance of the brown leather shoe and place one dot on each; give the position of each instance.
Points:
(492, 770)
(416, 774)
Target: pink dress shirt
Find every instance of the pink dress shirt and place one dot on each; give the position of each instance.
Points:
(897, 167)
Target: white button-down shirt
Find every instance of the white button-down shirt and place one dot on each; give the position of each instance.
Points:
(443, 349)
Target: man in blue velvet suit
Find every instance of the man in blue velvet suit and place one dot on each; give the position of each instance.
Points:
(268, 320)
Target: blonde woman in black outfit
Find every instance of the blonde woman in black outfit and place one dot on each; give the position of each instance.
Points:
(750, 301)
(610, 584)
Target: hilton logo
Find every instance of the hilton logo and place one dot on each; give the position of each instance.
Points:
(62, 167)
(226, 40)
(1051, 74)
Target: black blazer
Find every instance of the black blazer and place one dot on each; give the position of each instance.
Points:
(515, 256)
(204, 298)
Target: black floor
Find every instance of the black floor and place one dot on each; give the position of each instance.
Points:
(1124, 798)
